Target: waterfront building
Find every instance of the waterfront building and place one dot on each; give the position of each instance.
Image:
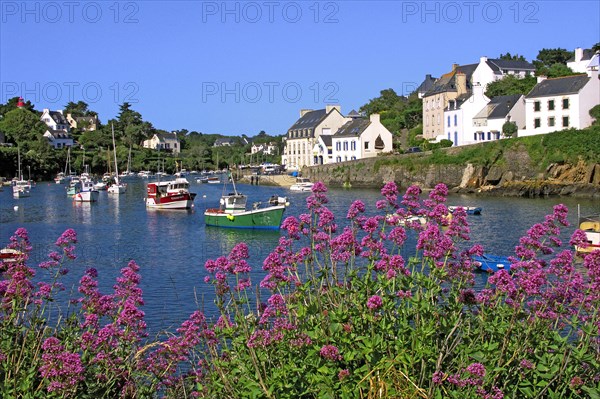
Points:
(464, 86)
(359, 138)
(304, 134)
(501, 109)
(561, 103)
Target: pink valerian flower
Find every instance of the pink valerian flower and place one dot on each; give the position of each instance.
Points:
(344, 246)
(374, 302)
(411, 201)
(476, 369)
(128, 297)
(390, 192)
(579, 239)
(356, 208)
(330, 352)
(292, 226)
(280, 265)
(434, 244)
(526, 364)
(62, 369)
(66, 241)
(318, 197)
(438, 377)
(342, 374)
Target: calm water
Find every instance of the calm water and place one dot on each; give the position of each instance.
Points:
(171, 247)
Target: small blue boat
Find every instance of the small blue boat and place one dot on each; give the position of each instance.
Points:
(469, 210)
(491, 263)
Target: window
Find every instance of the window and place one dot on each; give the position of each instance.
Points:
(455, 120)
(345, 146)
(551, 121)
(338, 159)
(536, 106)
(432, 120)
(353, 158)
(565, 102)
(537, 122)
(551, 105)
(565, 121)
(366, 145)
(489, 135)
(353, 145)
(475, 136)
(448, 120)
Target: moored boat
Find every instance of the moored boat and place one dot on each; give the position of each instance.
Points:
(232, 212)
(470, 210)
(302, 184)
(590, 225)
(85, 191)
(491, 263)
(171, 194)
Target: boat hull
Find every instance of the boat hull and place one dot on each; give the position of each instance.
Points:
(183, 201)
(86, 196)
(491, 263)
(259, 219)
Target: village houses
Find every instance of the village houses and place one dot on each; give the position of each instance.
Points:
(58, 132)
(164, 142)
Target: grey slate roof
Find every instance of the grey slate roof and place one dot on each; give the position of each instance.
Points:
(499, 65)
(326, 139)
(58, 117)
(224, 140)
(460, 100)
(587, 55)
(498, 107)
(427, 84)
(59, 134)
(354, 128)
(447, 82)
(166, 136)
(559, 86)
(353, 114)
(310, 120)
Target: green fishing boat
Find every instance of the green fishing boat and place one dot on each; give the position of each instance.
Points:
(232, 212)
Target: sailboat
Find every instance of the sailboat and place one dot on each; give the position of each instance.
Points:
(128, 172)
(63, 177)
(21, 188)
(118, 187)
(232, 212)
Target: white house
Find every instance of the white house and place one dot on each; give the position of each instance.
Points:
(86, 123)
(304, 134)
(457, 90)
(164, 141)
(361, 138)
(55, 120)
(583, 60)
(501, 109)
(265, 148)
(459, 114)
(59, 138)
(561, 103)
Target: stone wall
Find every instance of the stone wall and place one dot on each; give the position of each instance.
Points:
(513, 174)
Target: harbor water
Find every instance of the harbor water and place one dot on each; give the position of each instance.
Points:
(171, 247)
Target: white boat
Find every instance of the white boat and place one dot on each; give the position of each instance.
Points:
(590, 225)
(84, 189)
(144, 174)
(128, 172)
(118, 187)
(302, 184)
(21, 188)
(170, 194)
(64, 177)
(469, 210)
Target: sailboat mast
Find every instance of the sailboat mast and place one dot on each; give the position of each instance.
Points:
(115, 150)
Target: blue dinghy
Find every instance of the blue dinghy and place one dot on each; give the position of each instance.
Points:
(491, 263)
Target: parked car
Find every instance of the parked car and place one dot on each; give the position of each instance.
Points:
(413, 150)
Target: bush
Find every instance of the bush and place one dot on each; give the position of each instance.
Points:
(347, 316)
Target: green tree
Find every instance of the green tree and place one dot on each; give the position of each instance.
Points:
(78, 109)
(509, 85)
(21, 126)
(509, 129)
(510, 57)
(595, 113)
(548, 57)
(11, 104)
(596, 47)
(557, 70)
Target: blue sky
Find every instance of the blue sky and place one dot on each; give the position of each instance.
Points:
(242, 67)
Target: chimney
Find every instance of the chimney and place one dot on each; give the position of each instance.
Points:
(541, 78)
(374, 118)
(461, 83)
(454, 66)
(329, 108)
(578, 54)
(428, 76)
(482, 59)
(304, 112)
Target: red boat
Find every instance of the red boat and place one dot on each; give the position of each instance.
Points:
(173, 194)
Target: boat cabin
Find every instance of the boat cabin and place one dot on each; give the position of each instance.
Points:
(233, 203)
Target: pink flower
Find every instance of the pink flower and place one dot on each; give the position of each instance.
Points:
(330, 352)
(374, 302)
